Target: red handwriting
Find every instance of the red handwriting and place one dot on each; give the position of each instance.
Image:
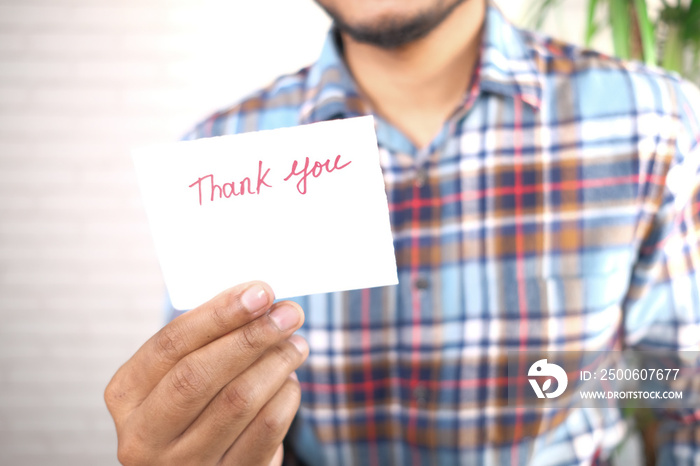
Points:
(210, 190)
(316, 170)
(229, 189)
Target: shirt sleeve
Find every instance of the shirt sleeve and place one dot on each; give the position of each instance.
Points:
(662, 308)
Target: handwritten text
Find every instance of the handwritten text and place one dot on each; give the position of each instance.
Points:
(229, 189)
(208, 189)
(316, 171)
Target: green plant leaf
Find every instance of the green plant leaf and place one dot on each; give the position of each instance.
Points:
(673, 50)
(591, 25)
(620, 24)
(693, 69)
(691, 22)
(540, 10)
(646, 30)
(694, 6)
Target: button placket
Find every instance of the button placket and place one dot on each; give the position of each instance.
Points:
(420, 394)
(421, 283)
(421, 177)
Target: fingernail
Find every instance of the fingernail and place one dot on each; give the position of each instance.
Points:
(299, 343)
(293, 376)
(285, 317)
(254, 298)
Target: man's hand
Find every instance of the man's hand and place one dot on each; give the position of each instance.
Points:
(214, 386)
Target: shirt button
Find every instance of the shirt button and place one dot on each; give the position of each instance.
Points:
(420, 394)
(421, 177)
(422, 283)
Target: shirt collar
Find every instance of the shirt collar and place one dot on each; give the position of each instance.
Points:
(508, 67)
(331, 92)
(509, 64)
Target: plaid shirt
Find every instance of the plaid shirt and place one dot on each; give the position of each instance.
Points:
(556, 210)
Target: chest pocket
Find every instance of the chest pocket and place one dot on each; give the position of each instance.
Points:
(573, 311)
(566, 294)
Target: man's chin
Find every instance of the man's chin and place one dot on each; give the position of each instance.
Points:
(394, 32)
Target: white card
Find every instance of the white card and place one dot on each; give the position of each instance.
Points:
(230, 209)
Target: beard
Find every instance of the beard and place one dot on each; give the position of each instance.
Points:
(394, 33)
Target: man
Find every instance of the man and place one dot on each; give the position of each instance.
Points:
(541, 197)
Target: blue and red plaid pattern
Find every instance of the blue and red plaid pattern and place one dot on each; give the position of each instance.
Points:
(556, 210)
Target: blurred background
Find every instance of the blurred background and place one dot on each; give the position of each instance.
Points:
(82, 82)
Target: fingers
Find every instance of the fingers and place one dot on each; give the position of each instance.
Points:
(261, 442)
(226, 312)
(278, 458)
(192, 383)
(242, 400)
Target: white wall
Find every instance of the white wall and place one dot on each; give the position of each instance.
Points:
(82, 81)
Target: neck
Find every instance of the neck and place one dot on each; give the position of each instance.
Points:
(417, 87)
